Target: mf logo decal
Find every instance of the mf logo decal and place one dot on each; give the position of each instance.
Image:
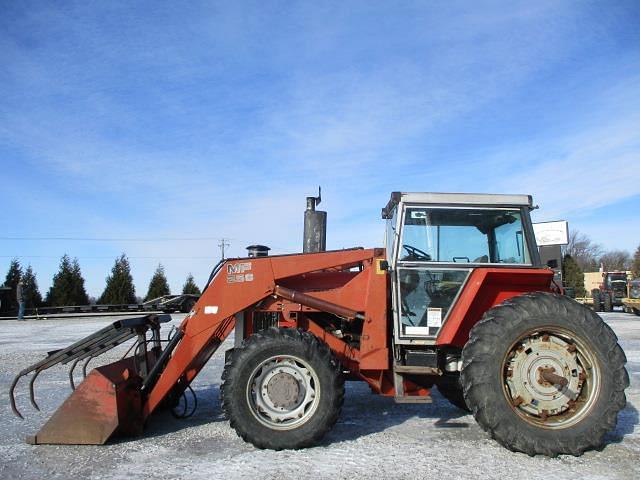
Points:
(239, 267)
(236, 273)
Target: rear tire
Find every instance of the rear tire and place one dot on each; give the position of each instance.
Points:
(282, 389)
(501, 375)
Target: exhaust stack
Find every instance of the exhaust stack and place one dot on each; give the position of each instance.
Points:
(315, 226)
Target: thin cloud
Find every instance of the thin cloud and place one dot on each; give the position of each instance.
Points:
(217, 121)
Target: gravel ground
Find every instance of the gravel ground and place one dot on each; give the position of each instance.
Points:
(374, 437)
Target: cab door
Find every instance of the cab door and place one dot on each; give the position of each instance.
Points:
(435, 251)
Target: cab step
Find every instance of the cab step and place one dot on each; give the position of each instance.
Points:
(417, 370)
(398, 381)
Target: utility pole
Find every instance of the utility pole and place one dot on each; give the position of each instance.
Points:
(223, 243)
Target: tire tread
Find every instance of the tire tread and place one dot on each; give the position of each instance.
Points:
(479, 356)
(252, 345)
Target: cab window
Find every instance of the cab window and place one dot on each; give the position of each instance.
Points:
(390, 235)
(463, 235)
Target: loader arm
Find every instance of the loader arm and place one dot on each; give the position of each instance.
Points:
(117, 398)
(239, 284)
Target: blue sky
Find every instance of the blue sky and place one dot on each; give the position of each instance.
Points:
(167, 121)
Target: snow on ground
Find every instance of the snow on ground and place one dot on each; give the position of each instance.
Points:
(374, 438)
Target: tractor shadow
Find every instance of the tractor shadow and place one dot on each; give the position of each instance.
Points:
(365, 413)
(628, 419)
(208, 410)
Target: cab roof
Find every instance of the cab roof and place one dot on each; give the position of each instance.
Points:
(457, 199)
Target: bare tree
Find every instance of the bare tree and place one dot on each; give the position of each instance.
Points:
(583, 251)
(635, 266)
(616, 260)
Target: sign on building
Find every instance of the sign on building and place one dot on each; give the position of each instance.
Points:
(551, 233)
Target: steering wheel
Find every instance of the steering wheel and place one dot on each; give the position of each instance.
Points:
(417, 253)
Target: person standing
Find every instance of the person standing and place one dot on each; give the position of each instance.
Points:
(20, 298)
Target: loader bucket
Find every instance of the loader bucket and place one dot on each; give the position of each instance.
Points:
(109, 400)
(106, 403)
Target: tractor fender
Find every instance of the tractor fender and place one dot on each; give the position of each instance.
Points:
(485, 288)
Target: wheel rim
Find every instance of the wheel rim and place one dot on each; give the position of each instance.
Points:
(283, 392)
(550, 378)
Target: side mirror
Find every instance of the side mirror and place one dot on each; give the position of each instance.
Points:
(553, 263)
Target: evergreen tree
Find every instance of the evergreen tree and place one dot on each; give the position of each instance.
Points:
(635, 266)
(59, 293)
(68, 285)
(573, 276)
(79, 293)
(32, 297)
(13, 277)
(14, 274)
(158, 286)
(190, 286)
(119, 289)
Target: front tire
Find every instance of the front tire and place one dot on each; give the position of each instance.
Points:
(595, 295)
(608, 303)
(512, 360)
(282, 389)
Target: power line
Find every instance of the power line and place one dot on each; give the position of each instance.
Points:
(133, 239)
(157, 257)
(114, 239)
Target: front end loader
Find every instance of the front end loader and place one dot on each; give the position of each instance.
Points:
(457, 300)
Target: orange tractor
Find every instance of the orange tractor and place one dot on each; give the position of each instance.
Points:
(458, 300)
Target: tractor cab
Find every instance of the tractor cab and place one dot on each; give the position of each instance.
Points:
(616, 282)
(434, 241)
